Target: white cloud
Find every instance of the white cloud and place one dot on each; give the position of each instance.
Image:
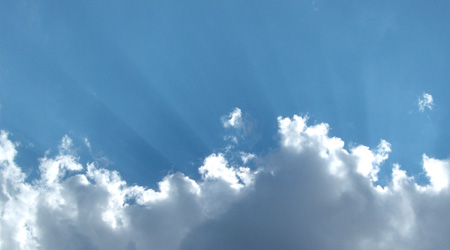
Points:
(215, 167)
(311, 193)
(233, 120)
(239, 126)
(87, 143)
(438, 171)
(368, 162)
(425, 102)
(231, 138)
(317, 195)
(246, 157)
(76, 207)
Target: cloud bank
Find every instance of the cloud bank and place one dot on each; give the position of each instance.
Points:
(311, 193)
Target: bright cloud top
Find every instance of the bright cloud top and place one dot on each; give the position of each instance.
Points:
(425, 102)
(311, 193)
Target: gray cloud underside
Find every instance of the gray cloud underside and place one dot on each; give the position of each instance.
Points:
(309, 194)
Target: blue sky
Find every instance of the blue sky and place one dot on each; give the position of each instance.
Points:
(156, 76)
(149, 83)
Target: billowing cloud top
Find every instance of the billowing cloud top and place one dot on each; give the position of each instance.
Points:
(425, 102)
(311, 193)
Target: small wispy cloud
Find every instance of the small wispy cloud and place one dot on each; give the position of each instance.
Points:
(234, 119)
(87, 143)
(246, 157)
(425, 102)
(313, 3)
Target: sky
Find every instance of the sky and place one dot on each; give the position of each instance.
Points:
(224, 124)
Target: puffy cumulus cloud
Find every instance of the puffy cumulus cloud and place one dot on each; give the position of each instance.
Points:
(425, 102)
(311, 193)
(314, 194)
(88, 207)
(438, 171)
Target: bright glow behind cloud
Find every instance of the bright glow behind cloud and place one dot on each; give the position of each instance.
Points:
(310, 193)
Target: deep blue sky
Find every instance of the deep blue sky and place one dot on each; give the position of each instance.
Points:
(148, 81)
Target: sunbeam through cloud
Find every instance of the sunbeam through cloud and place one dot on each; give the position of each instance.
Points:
(163, 125)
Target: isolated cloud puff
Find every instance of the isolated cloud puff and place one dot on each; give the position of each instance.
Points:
(425, 102)
(240, 127)
(233, 120)
(311, 193)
